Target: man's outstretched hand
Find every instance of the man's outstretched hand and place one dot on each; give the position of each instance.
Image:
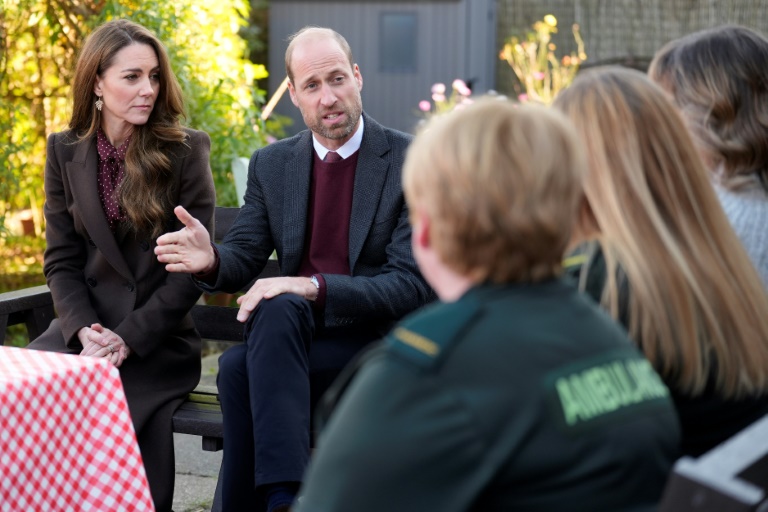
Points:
(187, 250)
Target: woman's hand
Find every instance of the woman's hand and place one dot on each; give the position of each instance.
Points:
(98, 341)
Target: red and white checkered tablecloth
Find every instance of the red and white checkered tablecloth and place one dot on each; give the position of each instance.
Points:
(66, 438)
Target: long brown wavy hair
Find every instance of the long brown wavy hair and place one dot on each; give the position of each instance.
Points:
(145, 193)
(719, 79)
(697, 306)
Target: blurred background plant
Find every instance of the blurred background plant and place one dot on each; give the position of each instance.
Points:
(459, 95)
(540, 73)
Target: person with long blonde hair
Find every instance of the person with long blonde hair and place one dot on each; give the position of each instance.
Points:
(719, 79)
(663, 258)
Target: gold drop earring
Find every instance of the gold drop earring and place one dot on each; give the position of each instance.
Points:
(99, 103)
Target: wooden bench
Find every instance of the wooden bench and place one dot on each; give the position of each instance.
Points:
(200, 414)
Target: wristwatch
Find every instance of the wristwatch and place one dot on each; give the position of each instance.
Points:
(315, 282)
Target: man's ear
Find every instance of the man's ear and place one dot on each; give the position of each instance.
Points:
(422, 227)
(292, 93)
(359, 77)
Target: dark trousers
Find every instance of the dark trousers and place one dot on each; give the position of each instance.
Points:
(268, 387)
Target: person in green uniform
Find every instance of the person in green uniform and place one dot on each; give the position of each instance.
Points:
(515, 391)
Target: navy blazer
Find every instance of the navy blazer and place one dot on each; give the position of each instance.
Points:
(385, 283)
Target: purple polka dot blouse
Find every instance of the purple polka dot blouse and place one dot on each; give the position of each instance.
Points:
(111, 170)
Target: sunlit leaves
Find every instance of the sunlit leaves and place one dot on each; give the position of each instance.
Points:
(39, 42)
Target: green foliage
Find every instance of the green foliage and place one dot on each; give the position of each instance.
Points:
(38, 42)
(22, 262)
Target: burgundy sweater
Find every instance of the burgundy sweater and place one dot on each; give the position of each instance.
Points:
(326, 242)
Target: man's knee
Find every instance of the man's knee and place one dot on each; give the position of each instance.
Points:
(285, 311)
(232, 368)
(284, 304)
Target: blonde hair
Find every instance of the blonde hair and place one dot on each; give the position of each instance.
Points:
(696, 304)
(719, 80)
(500, 184)
(145, 193)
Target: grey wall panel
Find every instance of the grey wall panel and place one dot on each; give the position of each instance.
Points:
(448, 32)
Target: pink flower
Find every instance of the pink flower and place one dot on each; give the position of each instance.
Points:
(539, 75)
(461, 87)
(425, 106)
(438, 88)
(523, 98)
(438, 98)
(271, 139)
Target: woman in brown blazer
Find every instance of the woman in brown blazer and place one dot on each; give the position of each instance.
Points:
(111, 183)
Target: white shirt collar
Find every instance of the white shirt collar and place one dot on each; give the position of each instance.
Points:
(349, 147)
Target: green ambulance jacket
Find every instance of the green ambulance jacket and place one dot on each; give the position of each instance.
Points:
(520, 397)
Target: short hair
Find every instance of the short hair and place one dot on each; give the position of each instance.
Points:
(696, 306)
(315, 33)
(145, 193)
(501, 184)
(719, 79)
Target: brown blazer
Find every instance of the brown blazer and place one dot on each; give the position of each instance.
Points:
(116, 280)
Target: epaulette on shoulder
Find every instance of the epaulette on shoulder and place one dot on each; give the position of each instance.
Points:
(575, 262)
(424, 337)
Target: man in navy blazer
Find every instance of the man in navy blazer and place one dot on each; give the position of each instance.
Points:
(329, 201)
